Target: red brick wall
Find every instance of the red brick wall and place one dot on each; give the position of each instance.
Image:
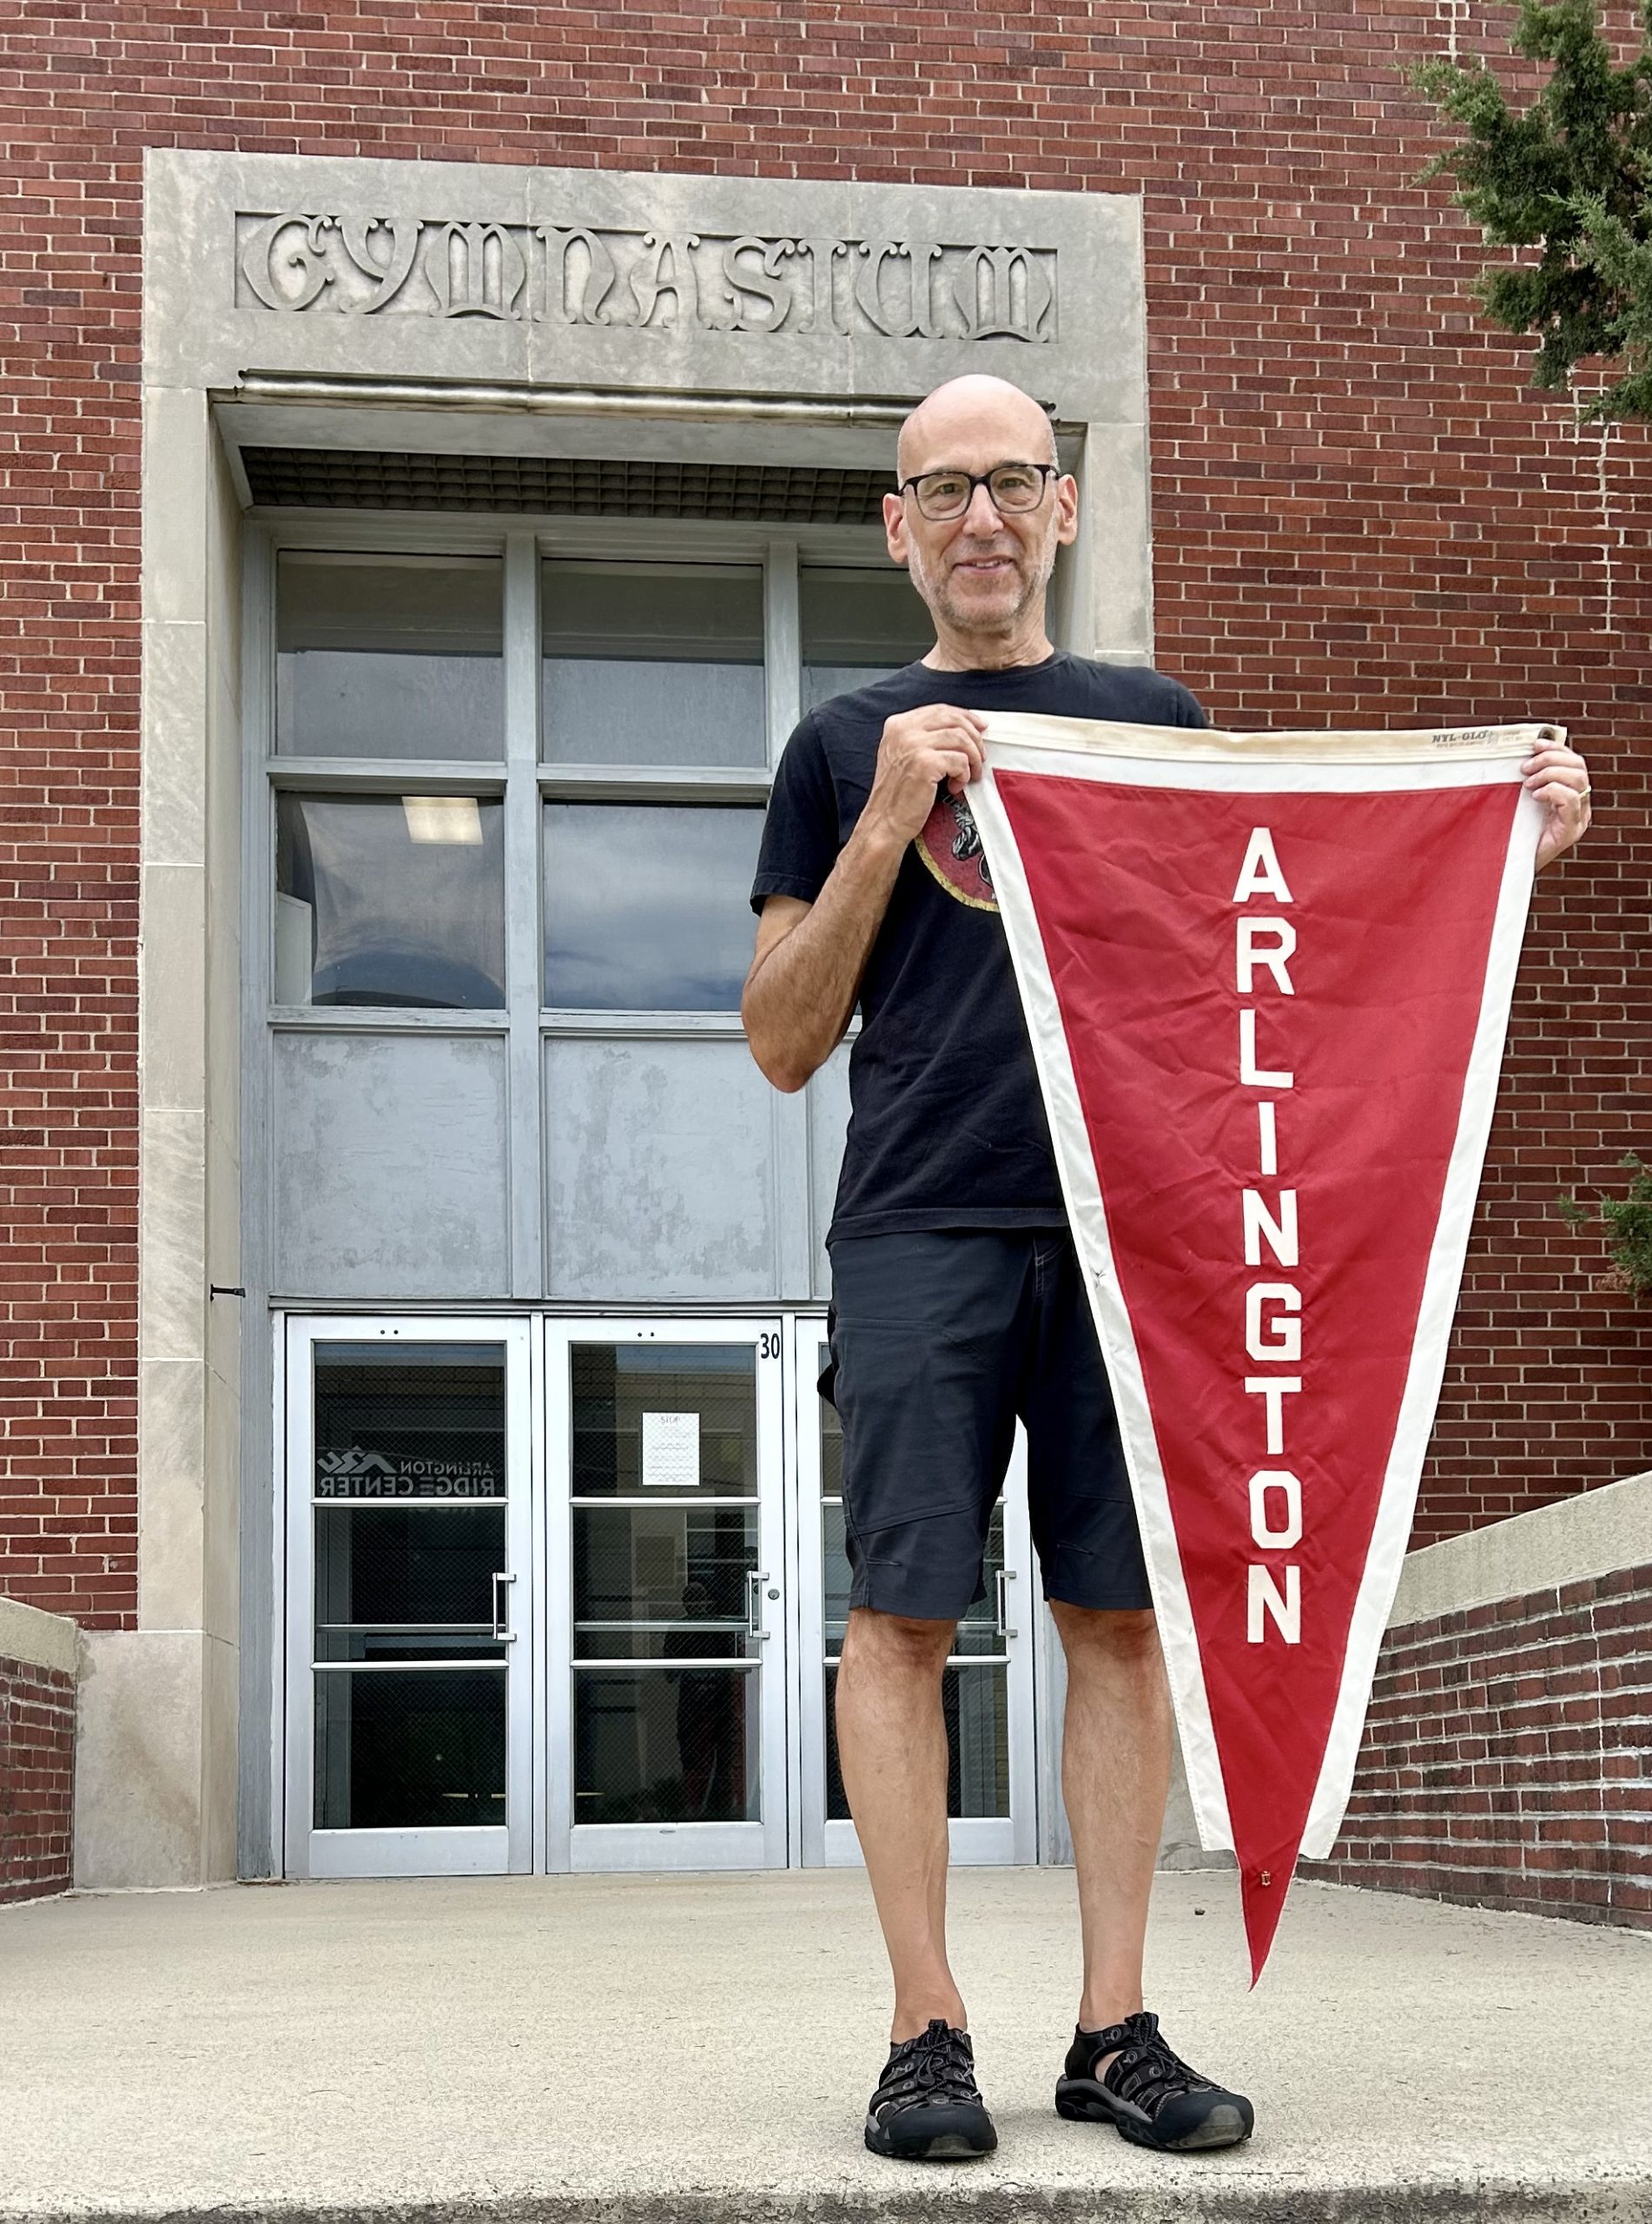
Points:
(1508, 1757)
(1359, 515)
(36, 1780)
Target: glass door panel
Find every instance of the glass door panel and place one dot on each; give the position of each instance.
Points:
(986, 1691)
(407, 1533)
(666, 1708)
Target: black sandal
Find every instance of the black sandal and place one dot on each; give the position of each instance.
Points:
(1148, 2094)
(926, 2107)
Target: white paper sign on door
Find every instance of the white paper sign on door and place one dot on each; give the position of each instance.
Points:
(670, 1452)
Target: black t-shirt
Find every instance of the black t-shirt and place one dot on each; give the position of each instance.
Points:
(947, 1127)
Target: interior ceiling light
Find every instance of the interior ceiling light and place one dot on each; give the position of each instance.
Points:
(443, 818)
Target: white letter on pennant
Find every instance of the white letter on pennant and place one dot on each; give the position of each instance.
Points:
(1250, 1075)
(1273, 1390)
(1281, 1233)
(1259, 875)
(1275, 1479)
(1283, 1338)
(1269, 956)
(1264, 1595)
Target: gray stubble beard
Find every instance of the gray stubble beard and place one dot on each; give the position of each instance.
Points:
(934, 595)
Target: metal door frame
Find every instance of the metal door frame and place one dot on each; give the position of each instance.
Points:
(1004, 1841)
(477, 1850)
(664, 1846)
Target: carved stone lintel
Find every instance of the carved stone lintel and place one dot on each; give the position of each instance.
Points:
(663, 283)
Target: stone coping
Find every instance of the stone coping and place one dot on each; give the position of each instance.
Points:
(40, 1641)
(1595, 1533)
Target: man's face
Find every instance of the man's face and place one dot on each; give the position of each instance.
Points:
(981, 572)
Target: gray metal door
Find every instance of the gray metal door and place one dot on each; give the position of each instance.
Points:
(409, 1489)
(665, 1716)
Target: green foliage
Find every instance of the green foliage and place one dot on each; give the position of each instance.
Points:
(1570, 175)
(1628, 1219)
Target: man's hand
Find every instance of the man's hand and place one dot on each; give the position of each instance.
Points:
(1559, 778)
(806, 974)
(919, 749)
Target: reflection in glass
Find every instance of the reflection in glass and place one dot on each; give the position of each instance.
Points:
(663, 1583)
(409, 1464)
(387, 656)
(409, 1749)
(409, 1421)
(653, 664)
(857, 627)
(975, 1702)
(646, 906)
(407, 1582)
(666, 1746)
(617, 1387)
(390, 900)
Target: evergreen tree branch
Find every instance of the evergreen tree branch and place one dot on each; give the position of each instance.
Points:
(1569, 176)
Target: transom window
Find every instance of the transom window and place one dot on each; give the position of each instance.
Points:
(389, 656)
(405, 748)
(653, 664)
(857, 627)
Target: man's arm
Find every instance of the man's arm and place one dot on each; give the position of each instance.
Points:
(801, 987)
(810, 957)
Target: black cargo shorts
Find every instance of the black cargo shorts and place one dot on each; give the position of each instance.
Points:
(940, 1340)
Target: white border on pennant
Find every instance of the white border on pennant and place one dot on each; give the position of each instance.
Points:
(1324, 764)
(1386, 1558)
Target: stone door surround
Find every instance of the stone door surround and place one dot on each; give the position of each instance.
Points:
(434, 307)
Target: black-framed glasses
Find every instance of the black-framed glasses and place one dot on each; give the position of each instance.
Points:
(1010, 486)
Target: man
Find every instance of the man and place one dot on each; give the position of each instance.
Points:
(958, 1304)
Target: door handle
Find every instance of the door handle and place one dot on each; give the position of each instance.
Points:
(1001, 1626)
(755, 1577)
(501, 1608)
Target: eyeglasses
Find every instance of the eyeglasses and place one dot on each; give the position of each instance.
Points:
(1010, 486)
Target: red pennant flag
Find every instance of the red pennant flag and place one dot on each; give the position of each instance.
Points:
(1267, 980)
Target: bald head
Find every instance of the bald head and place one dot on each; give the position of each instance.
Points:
(969, 412)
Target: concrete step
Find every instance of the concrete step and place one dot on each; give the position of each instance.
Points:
(698, 2049)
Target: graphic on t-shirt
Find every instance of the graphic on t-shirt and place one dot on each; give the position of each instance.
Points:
(950, 845)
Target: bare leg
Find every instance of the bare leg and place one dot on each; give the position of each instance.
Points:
(892, 1744)
(1115, 1778)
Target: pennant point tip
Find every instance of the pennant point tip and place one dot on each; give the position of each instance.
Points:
(1262, 1896)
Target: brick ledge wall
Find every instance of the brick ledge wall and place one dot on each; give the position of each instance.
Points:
(1507, 1760)
(37, 1687)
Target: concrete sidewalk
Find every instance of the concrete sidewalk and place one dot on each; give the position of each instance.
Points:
(673, 2050)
